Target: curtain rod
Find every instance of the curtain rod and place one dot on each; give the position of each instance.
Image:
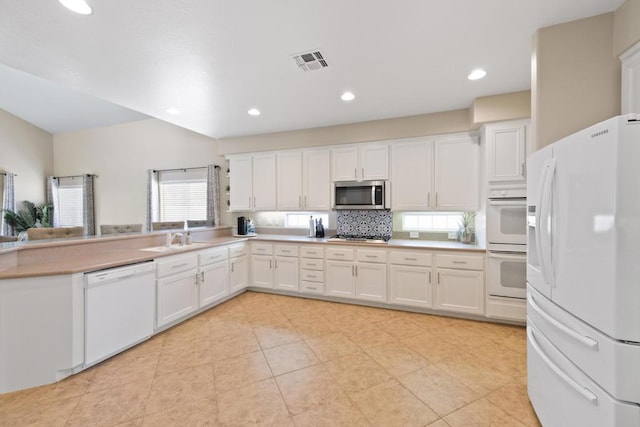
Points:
(183, 169)
(8, 173)
(75, 176)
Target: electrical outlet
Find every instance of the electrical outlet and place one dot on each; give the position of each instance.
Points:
(414, 234)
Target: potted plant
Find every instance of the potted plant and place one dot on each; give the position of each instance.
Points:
(31, 216)
(467, 227)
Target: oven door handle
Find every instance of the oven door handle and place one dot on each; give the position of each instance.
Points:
(510, 202)
(522, 257)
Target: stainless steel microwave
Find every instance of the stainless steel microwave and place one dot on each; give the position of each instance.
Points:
(360, 195)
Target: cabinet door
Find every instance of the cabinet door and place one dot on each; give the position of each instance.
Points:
(289, 181)
(340, 279)
(240, 181)
(213, 283)
(506, 152)
(286, 273)
(374, 162)
(264, 181)
(177, 297)
(371, 282)
(345, 163)
(262, 271)
(456, 174)
(460, 290)
(411, 285)
(317, 180)
(412, 176)
(239, 274)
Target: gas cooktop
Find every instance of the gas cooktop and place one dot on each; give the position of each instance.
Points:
(359, 239)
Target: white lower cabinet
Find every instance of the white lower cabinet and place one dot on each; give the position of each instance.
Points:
(312, 269)
(213, 277)
(460, 283)
(275, 266)
(411, 278)
(238, 267)
(177, 288)
(349, 277)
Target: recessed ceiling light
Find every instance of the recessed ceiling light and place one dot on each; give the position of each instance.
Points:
(172, 110)
(254, 112)
(477, 74)
(77, 6)
(348, 96)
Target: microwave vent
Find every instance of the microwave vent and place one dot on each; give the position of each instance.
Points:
(310, 61)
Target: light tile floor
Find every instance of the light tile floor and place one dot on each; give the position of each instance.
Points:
(262, 359)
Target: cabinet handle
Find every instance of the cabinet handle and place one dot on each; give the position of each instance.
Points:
(459, 262)
(522, 169)
(312, 276)
(202, 276)
(195, 278)
(312, 287)
(286, 251)
(411, 259)
(356, 270)
(270, 264)
(438, 277)
(353, 271)
(429, 199)
(429, 277)
(371, 256)
(232, 267)
(355, 173)
(338, 254)
(436, 199)
(180, 265)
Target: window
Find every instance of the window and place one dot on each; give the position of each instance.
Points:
(301, 220)
(70, 208)
(183, 195)
(438, 222)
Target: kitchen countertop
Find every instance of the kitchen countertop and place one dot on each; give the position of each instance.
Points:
(88, 262)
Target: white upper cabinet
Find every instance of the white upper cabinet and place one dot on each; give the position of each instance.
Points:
(316, 180)
(289, 180)
(456, 174)
(360, 163)
(252, 182)
(412, 176)
(506, 152)
(631, 80)
(440, 174)
(240, 183)
(264, 181)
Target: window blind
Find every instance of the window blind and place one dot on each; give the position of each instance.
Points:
(183, 195)
(70, 210)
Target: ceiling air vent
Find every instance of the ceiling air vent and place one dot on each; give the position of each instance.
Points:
(310, 61)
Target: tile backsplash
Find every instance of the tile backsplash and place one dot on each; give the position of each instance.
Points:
(364, 222)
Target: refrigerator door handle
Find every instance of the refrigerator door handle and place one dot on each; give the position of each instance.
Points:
(584, 340)
(545, 233)
(538, 217)
(583, 391)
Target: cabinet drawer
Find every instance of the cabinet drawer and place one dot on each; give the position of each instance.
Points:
(261, 249)
(213, 256)
(312, 275)
(311, 264)
(286, 250)
(340, 253)
(311, 252)
(372, 255)
(168, 266)
(237, 250)
(411, 258)
(311, 287)
(461, 262)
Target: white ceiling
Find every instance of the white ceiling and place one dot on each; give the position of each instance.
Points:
(215, 59)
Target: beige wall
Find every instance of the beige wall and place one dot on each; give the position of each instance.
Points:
(424, 124)
(508, 106)
(576, 78)
(121, 155)
(626, 26)
(27, 151)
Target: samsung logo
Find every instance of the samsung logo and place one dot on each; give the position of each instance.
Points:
(602, 132)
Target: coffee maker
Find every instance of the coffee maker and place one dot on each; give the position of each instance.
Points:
(242, 225)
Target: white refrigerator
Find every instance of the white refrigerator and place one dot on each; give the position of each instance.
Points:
(583, 277)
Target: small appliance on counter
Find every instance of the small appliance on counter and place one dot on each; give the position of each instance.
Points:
(243, 223)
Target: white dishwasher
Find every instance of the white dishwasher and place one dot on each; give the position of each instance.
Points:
(119, 310)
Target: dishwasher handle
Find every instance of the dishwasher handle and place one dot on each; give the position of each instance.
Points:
(119, 273)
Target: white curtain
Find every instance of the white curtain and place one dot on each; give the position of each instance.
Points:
(213, 194)
(52, 197)
(153, 198)
(8, 202)
(88, 211)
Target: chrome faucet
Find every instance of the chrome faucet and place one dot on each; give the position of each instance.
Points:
(172, 237)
